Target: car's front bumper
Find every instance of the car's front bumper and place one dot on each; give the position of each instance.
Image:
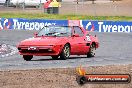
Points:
(40, 50)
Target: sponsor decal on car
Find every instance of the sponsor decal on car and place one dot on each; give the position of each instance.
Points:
(88, 38)
(32, 48)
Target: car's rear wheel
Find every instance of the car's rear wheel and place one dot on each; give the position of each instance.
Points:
(55, 57)
(65, 52)
(28, 57)
(91, 52)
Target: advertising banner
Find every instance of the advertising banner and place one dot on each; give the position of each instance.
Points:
(36, 24)
(107, 26)
(28, 24)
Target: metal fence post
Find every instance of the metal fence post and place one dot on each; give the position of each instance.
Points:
(93, 1)
(76, 7)
(82, 3)
(23, 5)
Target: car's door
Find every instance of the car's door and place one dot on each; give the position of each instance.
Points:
(78, 41)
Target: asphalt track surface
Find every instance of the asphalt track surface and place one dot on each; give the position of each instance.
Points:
(115, 49)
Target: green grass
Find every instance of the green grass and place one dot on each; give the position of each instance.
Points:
(63, 17)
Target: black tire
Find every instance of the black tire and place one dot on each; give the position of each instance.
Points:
(81, 80)
(55, 57)
(27, 57)
(91, 52)
(65, 52)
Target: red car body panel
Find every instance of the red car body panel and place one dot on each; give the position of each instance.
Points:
(50, 46)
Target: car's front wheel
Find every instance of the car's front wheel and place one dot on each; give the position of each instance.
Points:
(27, 57)
(91, 52)
(65, 52)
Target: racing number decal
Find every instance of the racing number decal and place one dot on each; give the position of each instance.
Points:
(88, 38)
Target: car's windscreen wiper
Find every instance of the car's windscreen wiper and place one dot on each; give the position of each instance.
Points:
(55, 34)
(63, 33)
(51, 33)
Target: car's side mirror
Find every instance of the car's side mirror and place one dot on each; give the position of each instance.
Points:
(35, 34)
(75, 35)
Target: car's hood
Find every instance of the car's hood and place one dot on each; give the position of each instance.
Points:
(42, 41)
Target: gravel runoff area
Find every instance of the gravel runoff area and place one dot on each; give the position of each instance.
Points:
(59, 78)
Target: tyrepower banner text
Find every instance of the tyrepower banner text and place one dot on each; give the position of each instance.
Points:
(36, 24)
(28, 24)
(107, 26)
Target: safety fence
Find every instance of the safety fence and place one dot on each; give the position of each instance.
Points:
(90, 25)
(82, 7)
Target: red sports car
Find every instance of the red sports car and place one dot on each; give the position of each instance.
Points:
(58, 41)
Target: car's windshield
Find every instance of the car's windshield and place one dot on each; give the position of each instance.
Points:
(59, 31)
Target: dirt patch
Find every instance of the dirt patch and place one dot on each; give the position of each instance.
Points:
(124, 2)
(59, 78)
(117, 8)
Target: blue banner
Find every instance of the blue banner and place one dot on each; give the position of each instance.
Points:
(36, 24)
(107, 26)
(28, 24)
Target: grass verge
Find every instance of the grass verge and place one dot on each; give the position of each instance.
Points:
(63, 17)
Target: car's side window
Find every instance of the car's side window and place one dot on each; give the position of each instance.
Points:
(77, 30)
